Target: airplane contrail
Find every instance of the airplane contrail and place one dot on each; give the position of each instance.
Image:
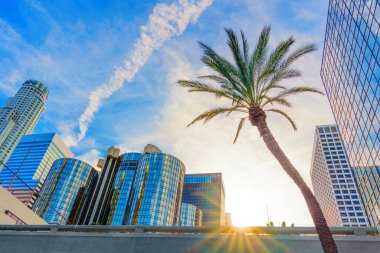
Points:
(164, 22)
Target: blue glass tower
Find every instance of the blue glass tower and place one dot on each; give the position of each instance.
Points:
(123, 185)
(30, 163)
(66, 192)
(157, 191)
(351, 75)
(190, 215)
(206, 191)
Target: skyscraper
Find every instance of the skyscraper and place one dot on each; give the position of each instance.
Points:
(190, 215)
(206, 191)
(99, 206)
(66, 192)
(368, 181)
(157, 191)
(333, 181)
(19, 115)
(123, 187)
(30, 163)
(351, 75)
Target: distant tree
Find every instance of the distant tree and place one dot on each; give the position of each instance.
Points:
(252, 83)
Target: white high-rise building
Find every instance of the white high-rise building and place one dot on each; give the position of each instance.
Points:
(333, 181)
(19, 116)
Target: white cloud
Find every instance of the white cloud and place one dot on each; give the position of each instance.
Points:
(91, 157)
(165, 22)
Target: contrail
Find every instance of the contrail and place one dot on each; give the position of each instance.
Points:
(165, 22)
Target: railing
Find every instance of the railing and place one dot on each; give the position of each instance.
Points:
(356, 231)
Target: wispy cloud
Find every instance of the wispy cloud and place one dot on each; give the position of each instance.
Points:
(165, 22)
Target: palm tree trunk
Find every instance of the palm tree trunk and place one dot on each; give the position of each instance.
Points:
(315, 210)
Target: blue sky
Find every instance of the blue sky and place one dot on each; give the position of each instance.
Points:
(74, 46)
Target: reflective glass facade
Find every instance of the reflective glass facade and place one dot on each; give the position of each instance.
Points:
(190, 215)
(30, 163)
(99, 207)
(66, 191)
(157, 191)
(333, 181)
(351, 76)
(368, 180)
(206, 191)
(19, 115)
(122, 188)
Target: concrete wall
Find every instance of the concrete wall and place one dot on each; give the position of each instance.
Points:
(33, 242)
(11, 203)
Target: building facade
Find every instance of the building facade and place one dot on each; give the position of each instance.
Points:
(333, 181)
(368, 181)
(66, 192)
(29, 164)
(19, 115)
(206, 191)
(123, 184)
(100, 204)
(190, 215)
(351, 75)
(157, 191)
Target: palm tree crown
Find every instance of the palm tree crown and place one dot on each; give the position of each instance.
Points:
(252, 82)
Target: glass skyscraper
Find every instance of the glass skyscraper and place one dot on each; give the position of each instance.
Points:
(157, 191)
(30, 163)
(123, 186)
(66, 192)
(333, 180)
(99, 206)
(19, 115)
(206, 191)
(351, 75)
(368, 180)
(190, 215)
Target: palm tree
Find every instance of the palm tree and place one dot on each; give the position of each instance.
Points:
(252, 84)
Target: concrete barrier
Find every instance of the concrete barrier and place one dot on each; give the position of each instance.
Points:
(174, 239)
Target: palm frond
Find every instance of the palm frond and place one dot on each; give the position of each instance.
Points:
(196, 86)
(216, 78)
(234, 45)
(241, 123)
(286, 116)
(299, 89)
(274, 100)
(300, 52)
(210, 114)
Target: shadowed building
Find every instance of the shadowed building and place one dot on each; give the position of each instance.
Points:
(99, 207)
(351, 75)
(66, 192)
(206, 191)
(19, 116)
(29, 164)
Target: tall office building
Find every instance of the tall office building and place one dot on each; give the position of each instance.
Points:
(351, 76)
(190, 215)
(19, 115)
(157, 191)
(66, 192)
(333, 181)
(206, 191)
(368, 181)
(123, 187)
(29, 164)
(100, 204)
